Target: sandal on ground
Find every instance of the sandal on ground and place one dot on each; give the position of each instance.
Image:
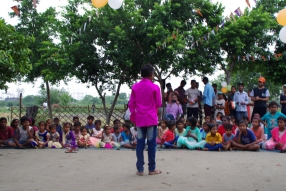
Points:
(155, 172)
(139, 173)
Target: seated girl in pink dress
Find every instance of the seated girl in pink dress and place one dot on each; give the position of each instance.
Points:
(278, 139)
(107, 139)
(96, 134)
(84, 138)
(161, 130)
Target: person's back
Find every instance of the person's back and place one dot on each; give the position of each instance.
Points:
(144, 102)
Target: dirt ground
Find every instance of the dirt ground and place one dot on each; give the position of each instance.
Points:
(108, 170)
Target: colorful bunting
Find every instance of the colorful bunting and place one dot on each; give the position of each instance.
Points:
(237, 12)
(16, 10)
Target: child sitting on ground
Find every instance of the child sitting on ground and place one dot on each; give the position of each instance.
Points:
(117, 123)
(180, 130)
(48, 123)
(162, 128)
(84, 138)
(106, 140)
(67, 138)
(42, 136)
(116, 135)
(169, 139)
(76, 131)
(24, 136)
(126, 137)
(244, 138)
(193, 134)
(15, 125)
(258, 132)
(205, 130)
(218, 118)
(227, 137)
(207, 119)
(96, 134)
(35, 128)
(58, 126)
(247, 121)
(271, 118)
(54, 142)
(278, 140)
(213, 139)
(89, 125)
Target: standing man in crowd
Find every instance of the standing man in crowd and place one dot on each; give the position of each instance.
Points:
(208, 97)
(230, 102)
(193, 96)
(260, 97)
(181, 91)
(241, 100)
(144, 102)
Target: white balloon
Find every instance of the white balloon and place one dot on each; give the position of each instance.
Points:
(115, 4)
(282, 34)
(223, 84)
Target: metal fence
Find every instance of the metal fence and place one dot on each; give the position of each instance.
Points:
(66, 114)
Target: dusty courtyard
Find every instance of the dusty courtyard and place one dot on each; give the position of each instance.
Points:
(107, 170)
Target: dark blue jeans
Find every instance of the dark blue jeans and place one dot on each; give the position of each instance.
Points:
(151, 133)
(171, 143)
(213, 147)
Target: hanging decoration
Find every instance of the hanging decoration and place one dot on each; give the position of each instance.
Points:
(99, 3)
(16, 10)
(281, 17)
(115, 4)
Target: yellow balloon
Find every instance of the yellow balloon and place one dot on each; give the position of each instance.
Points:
(281, 18)
(223, 90)
(99, 3)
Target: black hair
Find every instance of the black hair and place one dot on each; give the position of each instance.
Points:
(146, 70)
(24, 118)
(90, 117)
(97, 121)
(256, 114)
(245, 118)
(272, 103)
(241, 122)
(183, 82)
(257, 119)
(240, 84)
(33, 121)
(210, 125)
(126, 125)
(76, 124)
(56, 118)
(41, 122)
(193, 81)
(206, 123)
(66, 123)
(116, 120)
(214, 85)
(82, 128)
(179, 121)
(281, 119)
(163, 120)
(75, 117)
(225, 117)
(168, 84)
(171, 124)
(219, 113)
(3, 119)
(52, 126)
(106, 127)
(233, 87)
(13, 121)
(205, 79)
(228, 127)
(193, 121)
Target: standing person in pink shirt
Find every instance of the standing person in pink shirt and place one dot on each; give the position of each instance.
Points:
(144, 102)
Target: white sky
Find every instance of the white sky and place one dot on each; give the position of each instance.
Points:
(79, 90)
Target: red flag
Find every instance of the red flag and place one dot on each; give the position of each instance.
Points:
(247, 2)
(16, 10)
(199, 12)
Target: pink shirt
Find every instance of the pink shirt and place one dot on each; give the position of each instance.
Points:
(144, 101)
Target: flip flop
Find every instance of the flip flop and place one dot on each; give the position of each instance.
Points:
(139, 173)
(70, 151)
(155, 172)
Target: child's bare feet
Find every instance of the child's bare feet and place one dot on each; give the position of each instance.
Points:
(205, 149)
(219, 149)
(155, 172)
(230, 148)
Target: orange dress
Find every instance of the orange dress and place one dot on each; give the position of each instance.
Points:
(226, 109)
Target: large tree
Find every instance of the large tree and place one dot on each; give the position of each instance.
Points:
(48, 59)
(14, 54)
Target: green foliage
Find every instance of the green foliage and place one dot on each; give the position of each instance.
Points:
(14, 54)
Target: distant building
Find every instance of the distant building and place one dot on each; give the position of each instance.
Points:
(12, 99)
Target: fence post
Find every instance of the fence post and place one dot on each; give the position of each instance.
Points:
(20, 105)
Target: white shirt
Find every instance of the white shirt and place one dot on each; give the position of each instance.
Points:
(192, 94)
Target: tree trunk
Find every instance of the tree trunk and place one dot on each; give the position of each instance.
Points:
(113, 103)
(49, 99)
(228, 72)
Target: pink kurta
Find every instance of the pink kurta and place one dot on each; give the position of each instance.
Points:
(271, 143)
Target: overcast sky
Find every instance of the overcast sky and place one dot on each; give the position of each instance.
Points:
(79, 90)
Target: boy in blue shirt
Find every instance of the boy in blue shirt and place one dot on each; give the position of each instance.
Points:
(271, 118)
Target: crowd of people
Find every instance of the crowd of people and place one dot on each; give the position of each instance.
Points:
(239, 121)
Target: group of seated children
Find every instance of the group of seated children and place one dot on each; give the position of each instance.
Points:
(224, 133)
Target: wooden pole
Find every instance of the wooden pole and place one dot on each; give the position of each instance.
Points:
(20, 106)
